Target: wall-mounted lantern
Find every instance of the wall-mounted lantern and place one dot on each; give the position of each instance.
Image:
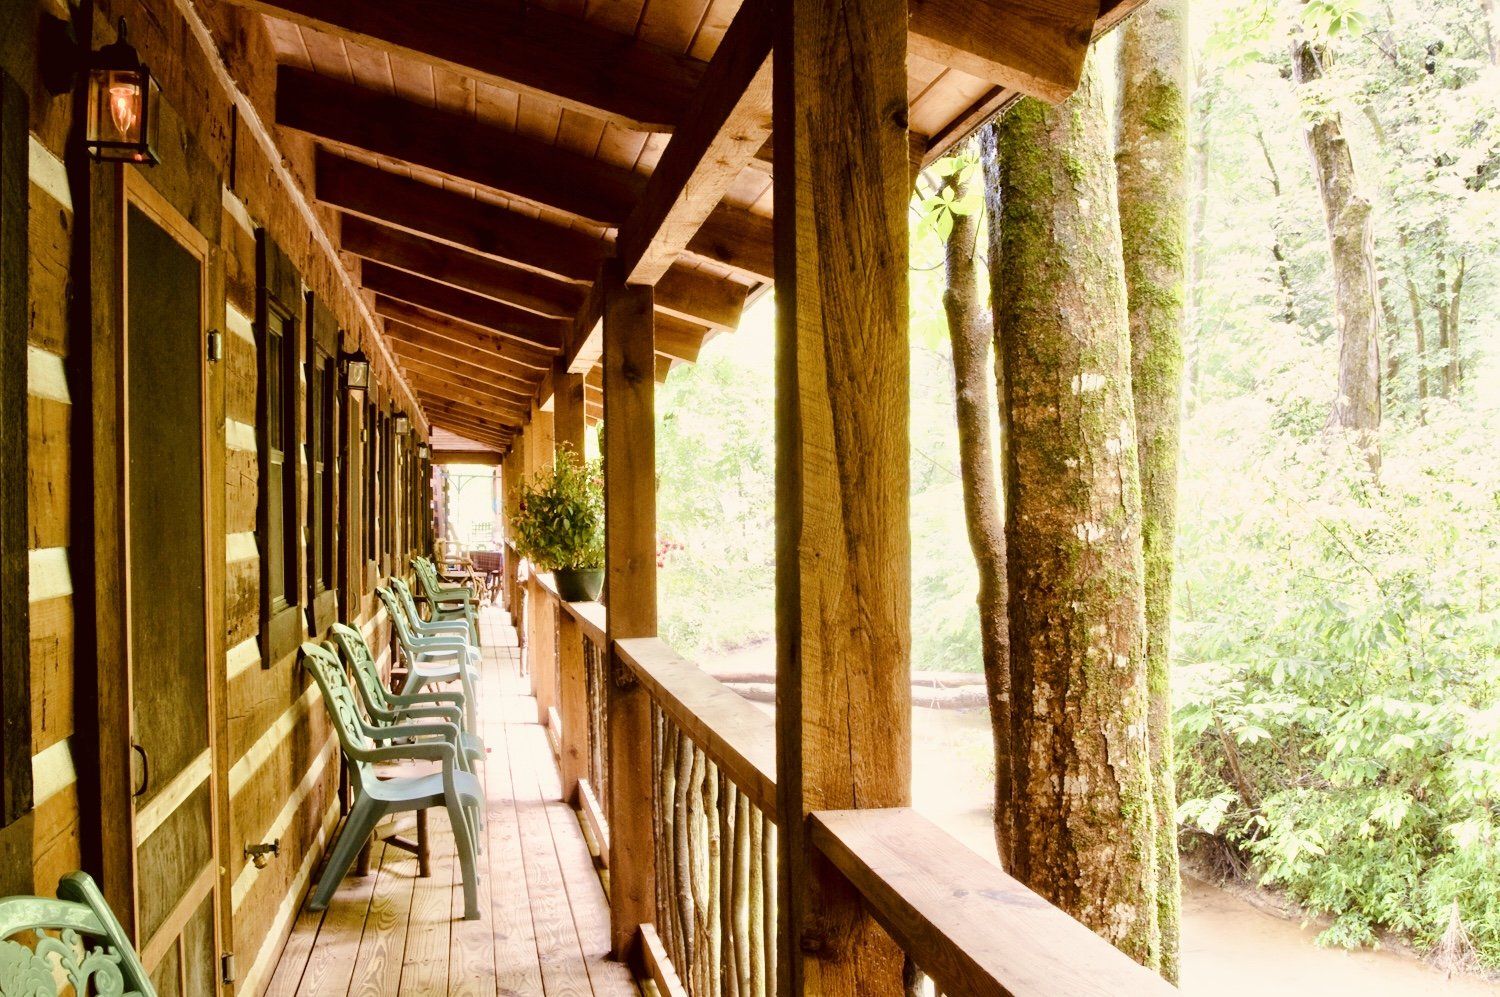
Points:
(403, 425)
(422, 451)
(357, 371)
(124, 105)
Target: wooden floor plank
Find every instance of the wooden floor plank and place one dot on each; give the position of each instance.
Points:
(518, 968)
(424, 971)
(545, 929)
(382, 948)
(331, 964)
(558, 947)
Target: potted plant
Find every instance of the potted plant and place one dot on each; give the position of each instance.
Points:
(559, 525)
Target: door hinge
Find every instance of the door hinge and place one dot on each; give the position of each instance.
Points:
(229, 971)
(215, 346)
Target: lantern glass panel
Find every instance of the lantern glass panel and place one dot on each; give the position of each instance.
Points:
(122, 122)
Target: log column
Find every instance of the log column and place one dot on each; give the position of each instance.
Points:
(572, 689)
(630, 593)
(842, 538)
(542, 635)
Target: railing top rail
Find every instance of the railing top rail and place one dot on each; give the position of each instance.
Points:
(739, 738)
(964, 922)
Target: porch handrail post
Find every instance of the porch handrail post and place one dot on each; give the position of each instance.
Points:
(541, 617)
(630, 593)
(843, 598)
(572, 687)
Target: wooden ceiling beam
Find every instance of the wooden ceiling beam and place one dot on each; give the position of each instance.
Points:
(450, 390)
(440, 374)
(455, 145)
(485, 345)
(728, 120)
(448, 455)
(466, 306)
(524, 47)
(1036, 47)
(501, 442)
(473, 415)
(420, 209)
(457, 220)
(736, 238)
(459, 268)
(410, 343)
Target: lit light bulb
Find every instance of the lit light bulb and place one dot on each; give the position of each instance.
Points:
(124, 102)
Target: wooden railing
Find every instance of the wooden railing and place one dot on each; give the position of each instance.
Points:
(965, 926)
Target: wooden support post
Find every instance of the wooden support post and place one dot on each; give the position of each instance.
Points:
(843, 598)
(542, 613)
(630, 593)
(572, 687)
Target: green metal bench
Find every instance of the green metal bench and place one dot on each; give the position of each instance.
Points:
(73, 944)
(385, 707)
(447, 602)
(454, 787)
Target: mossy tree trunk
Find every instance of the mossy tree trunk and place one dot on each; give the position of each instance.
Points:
(1151, 159)
(971, 333)
(1085, 834)
(1351, 247)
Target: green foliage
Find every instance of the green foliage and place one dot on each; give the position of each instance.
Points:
(559, 519)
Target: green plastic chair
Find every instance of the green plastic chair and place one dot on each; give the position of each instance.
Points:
(426, 628)
(434, 660)
(74, 939)
(384, 707)
(454, 787)
(448, 602)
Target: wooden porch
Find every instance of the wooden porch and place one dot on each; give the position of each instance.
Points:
(546, 927)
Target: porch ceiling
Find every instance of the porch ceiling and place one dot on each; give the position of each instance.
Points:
(484, 158)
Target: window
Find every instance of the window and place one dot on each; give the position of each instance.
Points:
(322, 463)
(372, 448)
(277, 520)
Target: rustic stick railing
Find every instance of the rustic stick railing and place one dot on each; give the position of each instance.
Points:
(966, 927)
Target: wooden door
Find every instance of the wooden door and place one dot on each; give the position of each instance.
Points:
(168, 616)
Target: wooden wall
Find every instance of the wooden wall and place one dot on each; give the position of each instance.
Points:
(281, 768)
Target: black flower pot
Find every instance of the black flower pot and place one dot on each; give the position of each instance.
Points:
(579, 584)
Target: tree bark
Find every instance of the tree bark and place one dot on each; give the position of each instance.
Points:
(1200, 252)
(1085, 819)
(971, 333)
(1351, 245)
(1152, 163)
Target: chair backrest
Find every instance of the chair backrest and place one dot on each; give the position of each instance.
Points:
(74, 941)
(403, 592)
(397, 613)
(338, 697)
(426, 576)
(351, 644)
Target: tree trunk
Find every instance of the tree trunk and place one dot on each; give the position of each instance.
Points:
(1278, 253)
(1445, 326)
(1454, 377)
(971, 333)
(1085, 820)
(1346, 214)
(1152, 162)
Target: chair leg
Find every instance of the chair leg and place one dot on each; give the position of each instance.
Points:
(465, 847)
(357, 829)
(424, 853)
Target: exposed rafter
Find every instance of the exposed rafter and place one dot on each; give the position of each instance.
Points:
(455, 145)
(516, 46)
(466, 306)
(484, 345)
(410, 343)
(457, 221)
(728, 120)
(1036, 47)
(459, 268)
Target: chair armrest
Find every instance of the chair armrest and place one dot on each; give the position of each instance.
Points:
(432, 751)
(439, 696)
(435, 729)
